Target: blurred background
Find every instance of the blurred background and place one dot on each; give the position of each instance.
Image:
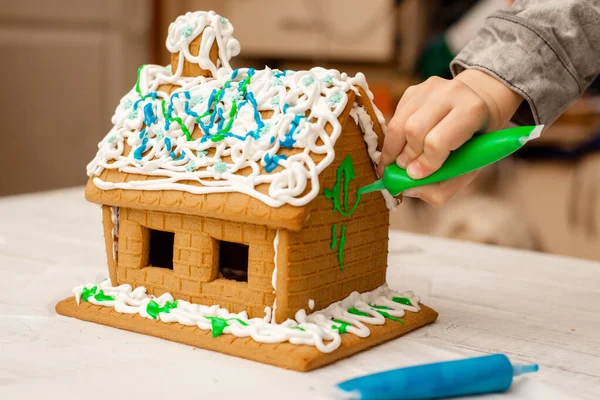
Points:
(66, 64)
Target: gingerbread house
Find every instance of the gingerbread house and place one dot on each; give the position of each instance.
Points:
(237, 188)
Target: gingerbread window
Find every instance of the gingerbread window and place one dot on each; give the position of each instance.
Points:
(233, 261)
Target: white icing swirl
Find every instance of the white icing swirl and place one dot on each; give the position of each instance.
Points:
(302, 103)
(317, 329)
(213, 28)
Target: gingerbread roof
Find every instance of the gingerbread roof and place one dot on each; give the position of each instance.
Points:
(241, 144)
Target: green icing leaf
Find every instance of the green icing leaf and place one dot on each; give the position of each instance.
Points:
(153, 309)
(218, 325)
(100, 296)
(87, 293)
(379, 307)
(357, 312)
(342, 327)
(388, 316)
(298, 327)
(402, 300)
(238, 320)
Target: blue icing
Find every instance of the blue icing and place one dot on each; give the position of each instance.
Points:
(234, 73)
(149, 116)
(168, 143)
(272, 162)
(171, 106)
(137, 154)
(152, 95)
(289, 140)
(143, 133)
(283, 73)
(173, 156)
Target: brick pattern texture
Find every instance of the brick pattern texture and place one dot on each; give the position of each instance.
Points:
(307, 267)
(313, 271)
(195, 259)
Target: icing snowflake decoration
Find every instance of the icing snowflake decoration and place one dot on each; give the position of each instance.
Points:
(249, 131)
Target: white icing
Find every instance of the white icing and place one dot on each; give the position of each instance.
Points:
(302, 103)
(311, 304)
(274, 276)
(317, 328)
(213, 28)
(114, 216)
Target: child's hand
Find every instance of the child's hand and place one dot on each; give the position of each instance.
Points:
(438, 116)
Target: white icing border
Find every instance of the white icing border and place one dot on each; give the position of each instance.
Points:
(316, 328)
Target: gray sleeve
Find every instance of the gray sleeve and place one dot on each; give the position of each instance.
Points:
(548, 51)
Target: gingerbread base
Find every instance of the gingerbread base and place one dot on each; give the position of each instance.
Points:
(285, 355)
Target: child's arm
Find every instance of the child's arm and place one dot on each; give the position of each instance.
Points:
(545, 52)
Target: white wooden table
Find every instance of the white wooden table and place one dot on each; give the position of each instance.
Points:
(532, 307)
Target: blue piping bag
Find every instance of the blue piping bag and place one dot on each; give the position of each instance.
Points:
(478, 375)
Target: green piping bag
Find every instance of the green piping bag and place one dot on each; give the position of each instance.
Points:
(478, 152)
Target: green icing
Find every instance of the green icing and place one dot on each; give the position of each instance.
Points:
(379, 307)
(232, 113)
(98, 295)
(388, 316)
(184, 128)
(87, 293)
(402, 300)
(344, 174)
(339, 197)
(355, 311)
(298, 327)
(153, 309)
(342, 328)
(137, 83)
(333, 237)
(219, 324)
(341, 248)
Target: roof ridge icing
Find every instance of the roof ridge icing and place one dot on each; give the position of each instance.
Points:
(208, 129)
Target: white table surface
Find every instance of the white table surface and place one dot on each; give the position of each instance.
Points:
(532, 307)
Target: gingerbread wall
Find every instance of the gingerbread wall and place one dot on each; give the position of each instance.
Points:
(313, 271)
(195, 260)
